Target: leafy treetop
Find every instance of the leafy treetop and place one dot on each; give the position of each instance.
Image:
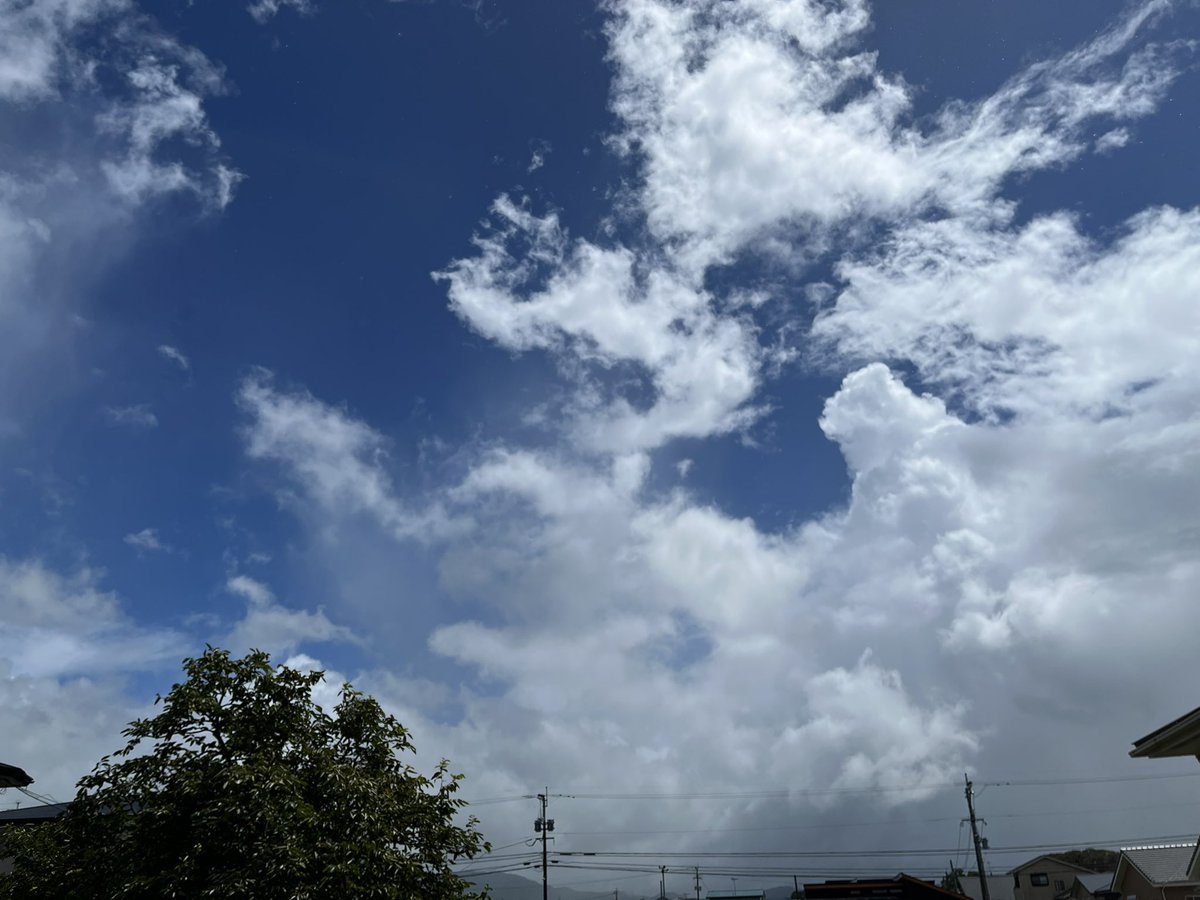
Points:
(242, 786)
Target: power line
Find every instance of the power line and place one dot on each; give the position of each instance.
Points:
(825, 826)
(771, 793)
(756, 795)
(940, 852)
(1042, 782)
(488, 801)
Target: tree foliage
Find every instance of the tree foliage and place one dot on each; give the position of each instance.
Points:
(1095, 858)
(243, 787)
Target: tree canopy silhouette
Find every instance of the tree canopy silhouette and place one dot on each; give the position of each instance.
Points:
(242, 786)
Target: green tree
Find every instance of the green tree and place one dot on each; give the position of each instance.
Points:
(1095, 858)
(243, 787)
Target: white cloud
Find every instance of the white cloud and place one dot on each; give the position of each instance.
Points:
(69, 651)
(531, 287)
(265, 10)
(1041, 320)
(55, 625)
(541, 150)
(138, 415)
(255, 591)
(147, 539)
(162, 108)
(56, 729)
(270, 626)
(1112, 140)
(35, 42)
(739, 109)
(1021, 497)
(965, 529)
(868, 733)
(737, 120)
(336, 459)
(123, 105)
(166, 351)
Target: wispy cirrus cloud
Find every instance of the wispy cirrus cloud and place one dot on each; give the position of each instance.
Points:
(126, 102)
(337, 460)
(265, 10)
(138, 415)
(175, 355)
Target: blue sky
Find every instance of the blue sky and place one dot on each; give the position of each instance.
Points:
(721, 396)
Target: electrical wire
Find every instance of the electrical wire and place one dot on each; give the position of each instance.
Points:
(825, 826)
(773, 793)
(1043, 782)
(944, 852)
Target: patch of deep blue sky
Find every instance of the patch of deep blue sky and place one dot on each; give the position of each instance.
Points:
(374, 136)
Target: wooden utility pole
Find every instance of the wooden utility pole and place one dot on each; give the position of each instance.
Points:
(543, 826)
(983, 885)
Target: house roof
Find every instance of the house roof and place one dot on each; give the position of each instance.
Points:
(1097, 881)
(1049, 859)
(1161, 863)
(1180, 737)
(25, 814)
(828, 887)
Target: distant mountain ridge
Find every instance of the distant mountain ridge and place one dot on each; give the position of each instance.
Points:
(506, 886)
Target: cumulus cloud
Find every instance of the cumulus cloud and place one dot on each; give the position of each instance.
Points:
(737, 110)
(55, 624)
(268, 625)
(1016, 412)
(1040, 319)
(69, 649)
(146, 540)
(532, 287)
(56, 729)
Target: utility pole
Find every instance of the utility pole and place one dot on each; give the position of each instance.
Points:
(697, 883)
(952, 879)
(662, 883)
(983, 885)
(542, 826)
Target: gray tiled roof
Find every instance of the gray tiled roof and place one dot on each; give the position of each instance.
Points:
(1162, 864)
(1101, 881)
(32, 813)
